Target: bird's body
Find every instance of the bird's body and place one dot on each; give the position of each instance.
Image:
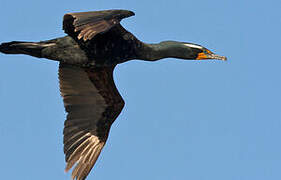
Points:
(107, 49)
(95, 44)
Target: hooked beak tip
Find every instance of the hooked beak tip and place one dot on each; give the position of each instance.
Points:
(214, 56)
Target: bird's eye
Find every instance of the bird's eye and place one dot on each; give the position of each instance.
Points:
(206, 51)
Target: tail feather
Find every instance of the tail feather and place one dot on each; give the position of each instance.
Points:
(29, 48)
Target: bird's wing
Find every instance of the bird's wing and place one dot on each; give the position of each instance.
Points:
(92, 103)
(88, 24)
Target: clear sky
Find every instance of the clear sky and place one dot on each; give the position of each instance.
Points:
(183, 120)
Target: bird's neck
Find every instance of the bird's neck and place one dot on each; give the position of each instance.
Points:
(153, 52)
(165, 49)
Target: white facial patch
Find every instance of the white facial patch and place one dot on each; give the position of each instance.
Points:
(193, 46)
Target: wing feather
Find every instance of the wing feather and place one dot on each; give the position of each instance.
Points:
(92, 103)
(85, 25)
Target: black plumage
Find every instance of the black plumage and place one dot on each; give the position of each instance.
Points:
(95, 44)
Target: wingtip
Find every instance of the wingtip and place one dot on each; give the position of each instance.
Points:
(67, 168)
(131, 13)
(125, 13)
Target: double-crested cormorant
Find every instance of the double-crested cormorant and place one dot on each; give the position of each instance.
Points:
(95, 44)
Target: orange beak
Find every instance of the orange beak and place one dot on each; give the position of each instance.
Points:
(209, 55)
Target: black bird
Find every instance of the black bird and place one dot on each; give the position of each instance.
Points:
(95, 44)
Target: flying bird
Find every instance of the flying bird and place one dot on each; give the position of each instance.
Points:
(95, 43)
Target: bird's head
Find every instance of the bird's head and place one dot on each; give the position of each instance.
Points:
(184, 50)
(200, 53)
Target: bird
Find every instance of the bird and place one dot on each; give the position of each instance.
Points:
(95, 44)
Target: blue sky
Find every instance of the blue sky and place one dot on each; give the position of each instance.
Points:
(207, 120)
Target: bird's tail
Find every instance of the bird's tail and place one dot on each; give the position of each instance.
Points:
(28, 48)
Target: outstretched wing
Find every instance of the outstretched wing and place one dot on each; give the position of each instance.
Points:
(88, 24)
(92, 103)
